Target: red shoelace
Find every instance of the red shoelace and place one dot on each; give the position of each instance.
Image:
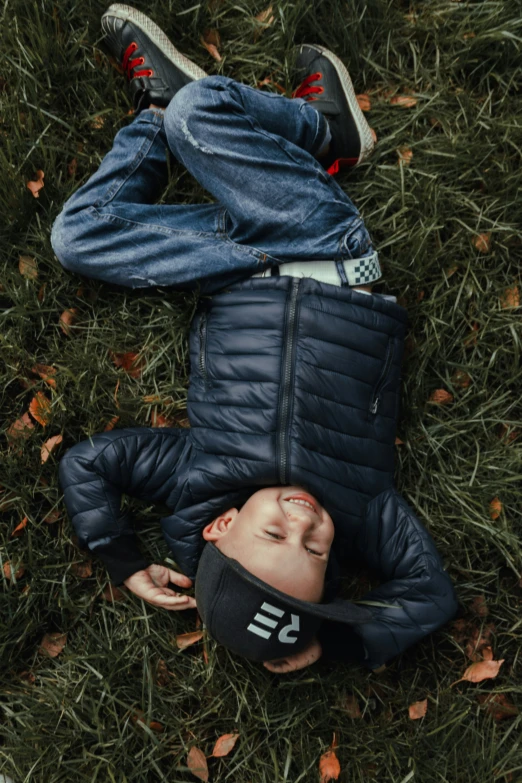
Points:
(128, 64)
(306, 87)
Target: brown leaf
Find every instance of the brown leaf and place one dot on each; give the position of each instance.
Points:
(471, 340)
(41, 292)
(110, 425)
(185, 640)
(461, 379)
(399, 442)
(498, 705)
(351, 705)
(510, 298)
(49, 446)
(266, 17)
(483, 242)
(19, 529)
(440, 397)
(495, 508)
(71, 167)
(405, 155)
(479, 607)
(35, 185)
(40, 408)
(364, 102)
(82, 570)
(20, 571)
(508, 434)
(481, 670)
(113, 594)
(97, 123)
(418, 709)
(211, 49)
(487, 653)
(158, 420)
(45, 371)
(67, 320)
(28, 267)
(329, 767)
(224, 745)
(53, 643)
(197, 763)
(20, 429)
(163, 674)
(131, 362)
(52, 517)
(406, 101)
(27, 676)
(451, 270)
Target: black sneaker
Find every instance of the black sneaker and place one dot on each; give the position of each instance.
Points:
(154, 67)
(325, 81)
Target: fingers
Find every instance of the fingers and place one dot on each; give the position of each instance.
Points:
(278, 667)
(179, 579)
(173, 602)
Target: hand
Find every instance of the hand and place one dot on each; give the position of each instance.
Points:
(150, 584)
(300, 660)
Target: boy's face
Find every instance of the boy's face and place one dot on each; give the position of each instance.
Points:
(282, 535)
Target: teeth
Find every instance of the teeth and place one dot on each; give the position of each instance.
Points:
(301, 502)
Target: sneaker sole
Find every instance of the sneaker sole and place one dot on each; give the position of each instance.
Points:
(157, 36)
(365, 133)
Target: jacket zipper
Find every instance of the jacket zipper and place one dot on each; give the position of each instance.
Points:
(203, 346)
(376, 397)
(288, 363)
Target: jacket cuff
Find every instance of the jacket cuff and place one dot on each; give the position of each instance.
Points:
(341, 643)
(121, 557)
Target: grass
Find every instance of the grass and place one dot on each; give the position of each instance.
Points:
(70, 718)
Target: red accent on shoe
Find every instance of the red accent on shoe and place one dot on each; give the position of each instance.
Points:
(128, 65)
(341, 163)
(305, 88)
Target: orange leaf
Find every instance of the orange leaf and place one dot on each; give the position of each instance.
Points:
(451, 270)
(399, 442)
(364, 102)
(49, 446)
(97, 123)
(197, 763)
(483, 242)
(40, 408)
(52, 517)
(19, 529)
(110, 425)
(479, 606)
(482, 670)
(418, 709)
(511, 297)
(36, 185)
(82, 570)
(498, 705)
(266, 17)
(28, 267)
(45, 372)
(329, 767)
(20, 571)
(67, 319)
(185, 640)
(440, 397)
(113, 594)
(20, 429)
(405, 155)
(211, 49)
(53, 643)
(129, 362)
(495, 508)
(156, 726)
(461, 378)
(487, 653)
(224, 745)
(406, 101)
(351, 705)
(71, 167)
(158, 420)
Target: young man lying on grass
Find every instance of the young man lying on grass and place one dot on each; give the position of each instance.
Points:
(287, 468)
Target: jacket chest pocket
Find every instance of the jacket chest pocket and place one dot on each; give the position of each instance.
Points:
(377, 393)
(202, 358)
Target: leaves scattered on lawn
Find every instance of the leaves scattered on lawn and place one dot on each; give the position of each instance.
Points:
(329, 767)
(52, 644)
(495, 508)
(35, 185)
(211, 41)
(184, 640)
(40, 408)
(28, 267)
(49, 446)
(481, 670)
(224, 745)
(440, 397)
(197, 763)
(483, 242)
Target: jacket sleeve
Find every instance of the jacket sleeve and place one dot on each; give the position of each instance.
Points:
(94, 474)
(416, 596)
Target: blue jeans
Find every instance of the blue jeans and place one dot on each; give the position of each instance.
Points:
(253, 152)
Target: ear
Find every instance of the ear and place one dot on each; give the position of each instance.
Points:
(220, 526)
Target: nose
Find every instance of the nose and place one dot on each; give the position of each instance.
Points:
(302, 518)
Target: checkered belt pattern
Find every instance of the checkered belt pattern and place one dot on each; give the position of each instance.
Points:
(354, 271)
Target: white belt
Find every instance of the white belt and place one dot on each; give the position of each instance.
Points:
(354, 271)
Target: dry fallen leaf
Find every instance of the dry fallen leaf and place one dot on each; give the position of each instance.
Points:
(329, 767)
(483, 242)
(508, 434)
(418, 709)
(364, 102)
(405, 155)
(266, 17)
(40, 408)
(487, 653)
(52, 517)
(471, 340)
(20, 429)
(36, 185)
(97, 123)
(110, 425)
(45, 371)
(351, 705)
(479, 607)
(185, 640)
(20, 571)
(67, 320)
(19, 529)
(131, 362)
(53, 643)
(158, 420)
(510, 298)
(113, 594)
(495, 508)
(399, 442)
(49, 446)
(163, 675)
(224, 745)
(197, 763)
(406, 101)
(440, 397)
(498, 705)
(211, 41)
(28, 267)
(71, 167)
(481, 670)
(461, 378)
(82, 570)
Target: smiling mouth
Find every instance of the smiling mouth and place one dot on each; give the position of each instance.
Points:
(302, 500)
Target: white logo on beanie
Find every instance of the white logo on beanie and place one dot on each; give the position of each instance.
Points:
(270, 622)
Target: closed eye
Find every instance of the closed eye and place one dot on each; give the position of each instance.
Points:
(281, 538)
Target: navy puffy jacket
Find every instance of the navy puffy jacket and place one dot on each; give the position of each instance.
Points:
(293, 382)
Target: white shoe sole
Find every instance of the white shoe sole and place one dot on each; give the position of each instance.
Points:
(365, 133)
(158, 37)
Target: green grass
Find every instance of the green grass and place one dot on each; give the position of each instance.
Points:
(70, 718)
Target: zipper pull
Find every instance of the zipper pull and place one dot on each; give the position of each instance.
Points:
(375, 405)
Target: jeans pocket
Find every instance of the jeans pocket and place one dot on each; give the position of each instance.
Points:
(356, 242)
